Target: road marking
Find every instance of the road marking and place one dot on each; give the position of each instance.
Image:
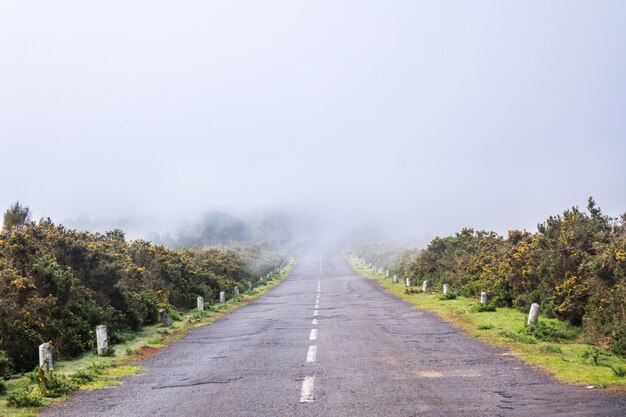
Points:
(316, 313)
(312, 353)
(313, 335)
(306, 395)
(314, 322)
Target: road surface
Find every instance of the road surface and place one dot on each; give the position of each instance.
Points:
(334, 344)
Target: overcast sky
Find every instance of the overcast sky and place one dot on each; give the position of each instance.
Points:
(420, 115)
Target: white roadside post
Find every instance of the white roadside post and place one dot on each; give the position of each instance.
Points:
(45, 356)
(533, 315)
(446, 287)
(200, 302)
(483, 298)
(387, 273)
(408, 282)
(222, 297)
(102, 341)
(395, 279)
(425, 286)
(236, 291)
(165, 318)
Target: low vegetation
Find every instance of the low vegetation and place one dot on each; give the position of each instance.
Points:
(574, 266)
(58, 284)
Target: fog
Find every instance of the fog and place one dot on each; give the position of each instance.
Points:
(412, 117)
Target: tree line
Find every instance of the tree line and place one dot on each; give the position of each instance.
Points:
(57, 284)
(574, 266)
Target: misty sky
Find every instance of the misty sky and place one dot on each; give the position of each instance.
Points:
(420, 115)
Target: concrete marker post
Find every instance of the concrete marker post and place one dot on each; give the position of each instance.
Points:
(408, 282)
(395, 279)
(165, 318)
(425, 286)
(483, 298)
(446, 287)
(236, 291)
(102, 340)
(45, 356)
(533, 315)
(200, 303)
(222, 297)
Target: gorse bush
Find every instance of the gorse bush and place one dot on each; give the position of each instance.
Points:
(574, 266)
(57, 284)
(6, 365)
(483, 308)
(24, 398)
(448, 296)
(51, 384)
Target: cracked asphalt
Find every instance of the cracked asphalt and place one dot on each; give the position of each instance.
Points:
(375, 356)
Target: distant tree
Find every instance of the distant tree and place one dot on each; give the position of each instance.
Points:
(16, 216)
(593, 208)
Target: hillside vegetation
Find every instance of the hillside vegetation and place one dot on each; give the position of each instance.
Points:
(57, 284)
(574, 266)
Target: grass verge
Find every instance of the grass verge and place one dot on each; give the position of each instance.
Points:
(90, 371)
(551, 346)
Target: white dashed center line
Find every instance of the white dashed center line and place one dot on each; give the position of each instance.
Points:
(311, 354)
(306, 395)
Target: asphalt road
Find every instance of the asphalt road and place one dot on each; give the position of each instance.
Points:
(371, 355)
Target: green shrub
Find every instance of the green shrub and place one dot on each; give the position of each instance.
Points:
(24, 398)
(82, 377)
(480, 308)
(57, 284)
(3, 386)
(448, 296)
(6, 365)
(51, 384)
(549, 332)
(96, 369)
(618, 345)
(485, 327)
(574, 266)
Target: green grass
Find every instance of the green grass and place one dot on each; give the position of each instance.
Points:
(97, 372)
(553, 347)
